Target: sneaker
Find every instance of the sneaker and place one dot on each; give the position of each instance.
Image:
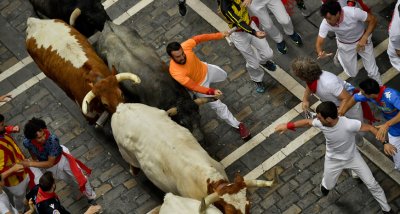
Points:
(296, 38)
(388, 212)
(324, 191)
(182, 7)
(244, 132)
(269, 65)
(303, 9)
(260, 88)
(92, 202)
(281, 46)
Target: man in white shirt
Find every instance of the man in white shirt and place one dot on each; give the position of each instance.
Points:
(394, 38)
(352, 37)
(341, 152)
(327, 86)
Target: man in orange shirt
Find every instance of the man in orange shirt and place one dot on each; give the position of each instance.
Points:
(187, 69)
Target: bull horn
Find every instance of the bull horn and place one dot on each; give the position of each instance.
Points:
(203, 100)
(88, 98)
(172, 111)
(74, 15)
(258, 183)
(205, 202)
(127, 76)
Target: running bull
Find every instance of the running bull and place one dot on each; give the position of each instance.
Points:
(174, 161)
(87, 16)
(123, 48)
(65, 56)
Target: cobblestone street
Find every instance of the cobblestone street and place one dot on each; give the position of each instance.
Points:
(294, 159)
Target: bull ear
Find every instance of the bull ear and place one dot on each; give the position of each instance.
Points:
(113, 70)
(91, 84)
(238, 178)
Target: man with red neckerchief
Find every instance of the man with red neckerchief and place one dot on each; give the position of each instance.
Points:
(45, 199)
(10, 154)
(47, 153)
(353, 28)
(388, 101)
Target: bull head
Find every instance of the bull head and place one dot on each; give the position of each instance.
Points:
(107, 90)
(231, 198)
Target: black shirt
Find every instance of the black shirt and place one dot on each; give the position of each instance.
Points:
(48, 206)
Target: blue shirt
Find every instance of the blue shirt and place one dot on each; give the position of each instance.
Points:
(389, 105)
(51, 148)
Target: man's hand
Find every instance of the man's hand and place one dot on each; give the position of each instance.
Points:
(5, 98)
(93, 209)
(17, 167)
(281, 128)
(261, 34)
(389, 149)
(31, 207)
(323, 54)
(361, 44)
(382, 131)
(25, 163)
(305, 105)
(15, 129)
(217, 93)
(246, 3)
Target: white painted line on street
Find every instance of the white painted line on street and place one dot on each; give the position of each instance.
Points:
(132, 11)
(26, 85)
(109, 3)
(16, 67)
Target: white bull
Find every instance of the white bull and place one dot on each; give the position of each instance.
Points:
(174, 161)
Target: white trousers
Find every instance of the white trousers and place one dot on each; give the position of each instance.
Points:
(260, 8)
(347, 55)
(243, 42)
(394, 58)
(19, 191)
(217, 74)
(334, 167)
(62, 171)
(395, 141)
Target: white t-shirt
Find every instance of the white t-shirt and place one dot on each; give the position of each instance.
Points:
(394, 30)
(340, 139)
(330, 86)
(350, 29)
(5, 205)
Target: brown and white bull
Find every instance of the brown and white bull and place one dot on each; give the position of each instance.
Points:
(174, 161)
(65, 56)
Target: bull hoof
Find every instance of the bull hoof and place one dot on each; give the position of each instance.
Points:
(134, 170)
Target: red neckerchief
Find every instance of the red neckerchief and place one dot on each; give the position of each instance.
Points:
(313, 86)
(367, 112)
(381, 90)
(38, 145)
(43, 196)
(289, 5)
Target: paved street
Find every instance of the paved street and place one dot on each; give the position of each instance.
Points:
(295, 157)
